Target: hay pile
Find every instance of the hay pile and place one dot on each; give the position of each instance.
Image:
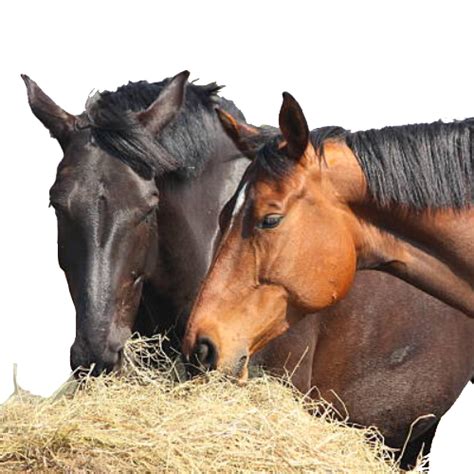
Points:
(144, 420)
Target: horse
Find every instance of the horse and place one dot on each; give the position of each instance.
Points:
(110, 180)
(313, 208)
(145, 172)
(289, 248)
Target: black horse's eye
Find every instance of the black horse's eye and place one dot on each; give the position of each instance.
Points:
(58, 209)
(270, 221)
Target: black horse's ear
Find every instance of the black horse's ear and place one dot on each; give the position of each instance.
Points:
(244, 136)
(293, 126)
(59, 122)
(165, 108)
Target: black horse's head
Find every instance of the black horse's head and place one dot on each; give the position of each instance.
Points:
(107, 234)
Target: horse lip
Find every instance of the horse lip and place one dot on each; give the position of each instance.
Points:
(119, 364)
(241, 368)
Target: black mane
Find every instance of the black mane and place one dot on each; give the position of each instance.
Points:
(273, 159)
(182, 147)
(421, 166)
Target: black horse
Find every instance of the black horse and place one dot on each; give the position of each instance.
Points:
(145, 173)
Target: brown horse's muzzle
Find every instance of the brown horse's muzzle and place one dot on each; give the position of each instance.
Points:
(205, 356)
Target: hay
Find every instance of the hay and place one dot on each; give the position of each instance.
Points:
(144, 421)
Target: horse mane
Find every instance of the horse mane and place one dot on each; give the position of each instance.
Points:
(420, 166)
(272, 158)
(182, 147)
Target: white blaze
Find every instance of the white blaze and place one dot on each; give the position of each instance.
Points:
(239, 202)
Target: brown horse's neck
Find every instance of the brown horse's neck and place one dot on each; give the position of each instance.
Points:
(432, 250)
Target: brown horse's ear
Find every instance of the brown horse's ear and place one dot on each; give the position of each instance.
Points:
(59, 122)
(165, 108)
(293, 126)
(244, 136)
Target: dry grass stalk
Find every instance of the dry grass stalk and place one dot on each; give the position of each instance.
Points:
(144, 421)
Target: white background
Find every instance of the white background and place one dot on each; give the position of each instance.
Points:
(355, 64)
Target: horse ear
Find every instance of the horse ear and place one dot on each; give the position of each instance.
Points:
(244, 136)
(293, 126)
(59, 122)
(165, 108)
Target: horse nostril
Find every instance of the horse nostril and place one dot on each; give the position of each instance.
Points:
(205, 354)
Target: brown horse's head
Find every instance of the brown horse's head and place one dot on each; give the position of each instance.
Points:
(285, 248)
(107, 234)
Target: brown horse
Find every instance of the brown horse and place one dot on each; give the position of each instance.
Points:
(314, 207)
(383, 349)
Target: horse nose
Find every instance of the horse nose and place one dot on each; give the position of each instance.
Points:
(109, 361)
(106, 364)
(82, 360)
(205, 354)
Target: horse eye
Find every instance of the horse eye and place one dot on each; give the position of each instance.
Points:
(58, 210)
(270, 221)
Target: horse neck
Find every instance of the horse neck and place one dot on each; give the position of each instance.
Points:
(432, 250)
(188, 225)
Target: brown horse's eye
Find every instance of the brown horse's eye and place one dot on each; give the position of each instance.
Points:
(270, 221)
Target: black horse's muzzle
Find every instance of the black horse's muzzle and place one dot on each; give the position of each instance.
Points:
(84, 361)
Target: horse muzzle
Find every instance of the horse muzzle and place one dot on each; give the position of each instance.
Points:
(205, 356)
(94, 362)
